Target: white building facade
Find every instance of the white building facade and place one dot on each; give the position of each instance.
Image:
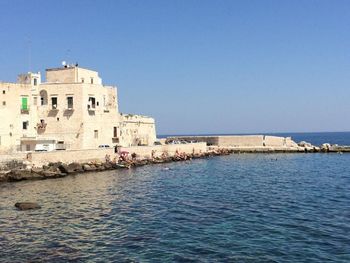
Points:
(71, 110)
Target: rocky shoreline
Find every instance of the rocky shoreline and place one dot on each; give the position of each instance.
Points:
(20, 171)
(59, 169)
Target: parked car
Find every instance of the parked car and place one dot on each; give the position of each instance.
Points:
(104, 146)
(157, 143)
(173, 142)
(43, 147)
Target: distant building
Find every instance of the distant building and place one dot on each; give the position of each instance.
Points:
(71, 110)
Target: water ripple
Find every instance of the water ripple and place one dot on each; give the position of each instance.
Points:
(239, 208)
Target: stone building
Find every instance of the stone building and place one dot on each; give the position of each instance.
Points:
(71, 110)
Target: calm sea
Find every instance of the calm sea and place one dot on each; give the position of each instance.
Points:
(316, 138)
(237, 208)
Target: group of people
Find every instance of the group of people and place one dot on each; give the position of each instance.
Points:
(120, 157)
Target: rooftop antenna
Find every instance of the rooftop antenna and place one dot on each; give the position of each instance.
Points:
(68, 51)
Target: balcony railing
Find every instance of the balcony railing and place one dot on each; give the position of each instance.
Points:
(24, 110)
(41, 126)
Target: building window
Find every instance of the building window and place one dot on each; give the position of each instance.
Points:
(82, 80)
(35, 100)
(70, 102)
(4, 103)
(3, 92)
(115, 132)
(43, 97)
(92, 103)
(95, 134)
(54, 102)
(24, 105)
(97, 104)
(35, 82)
(25, 125)
(92, 80)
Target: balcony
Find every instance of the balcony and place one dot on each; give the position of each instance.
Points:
(24, 111)
(41, 127)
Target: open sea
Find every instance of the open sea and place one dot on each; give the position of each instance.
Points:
(237, 208)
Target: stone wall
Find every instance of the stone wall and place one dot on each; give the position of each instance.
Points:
(244, 141)
(41, 158)
(170, 149)
(6, 158)
(241, 141)
(137, 130)
(274, 141)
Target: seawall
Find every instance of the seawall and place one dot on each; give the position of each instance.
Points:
(260, 143)
(39, 159)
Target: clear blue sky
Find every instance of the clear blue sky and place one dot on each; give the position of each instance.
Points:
(197, 66)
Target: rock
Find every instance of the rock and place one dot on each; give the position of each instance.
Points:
(50, 174)
(108, 166)
(338, 148)
(53, 169)
(63, 168)
(4, 175)
(101, 168)
(325, 147)
(75, 167)
(54, 166)
(88, 167)
(19, 174)
(27, 205)
(305, 144)
(37, 170)
(309, 149)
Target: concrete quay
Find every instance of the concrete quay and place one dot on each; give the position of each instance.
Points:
(258, 144)
(46, 165)
(58, 169)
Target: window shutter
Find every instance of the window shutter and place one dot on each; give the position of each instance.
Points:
(24, 103)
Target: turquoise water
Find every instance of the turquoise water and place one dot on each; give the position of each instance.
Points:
(237, 208)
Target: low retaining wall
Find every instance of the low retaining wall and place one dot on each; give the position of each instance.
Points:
(170, 149)
(256, 141)
(69, 156)
(242, 140)
(80, 156)
(7, 158)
